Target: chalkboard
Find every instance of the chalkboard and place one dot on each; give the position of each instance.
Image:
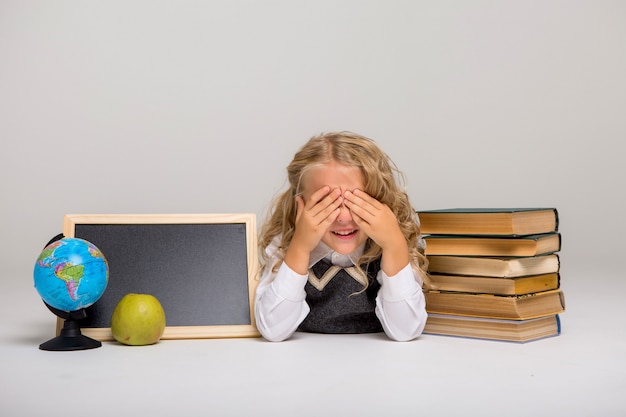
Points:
(202, 268)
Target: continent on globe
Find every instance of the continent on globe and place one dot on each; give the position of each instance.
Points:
(71, 274)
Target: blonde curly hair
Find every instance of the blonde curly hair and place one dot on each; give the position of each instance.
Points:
(382, 179)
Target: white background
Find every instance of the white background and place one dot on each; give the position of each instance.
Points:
(198, 106)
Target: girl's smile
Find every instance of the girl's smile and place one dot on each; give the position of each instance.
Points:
(345, 233)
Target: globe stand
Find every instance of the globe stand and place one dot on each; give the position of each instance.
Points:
(70, 337)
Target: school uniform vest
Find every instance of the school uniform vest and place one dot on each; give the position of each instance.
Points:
(337, 302)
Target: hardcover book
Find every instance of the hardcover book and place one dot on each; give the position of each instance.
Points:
(489, 221)
(505, 267)
(494, 285)
(530, 245)
(493, 329)
(517, 307)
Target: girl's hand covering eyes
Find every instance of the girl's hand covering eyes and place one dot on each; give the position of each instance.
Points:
(381, 225)
(313, 218)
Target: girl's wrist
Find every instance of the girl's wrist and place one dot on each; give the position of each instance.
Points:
(297, 259)
(395, 257)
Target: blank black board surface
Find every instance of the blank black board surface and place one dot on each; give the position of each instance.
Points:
(202, 268)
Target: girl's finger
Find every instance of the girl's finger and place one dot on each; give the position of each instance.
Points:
(367, 198)
(318, 196)
(331, 201)
(359, 203)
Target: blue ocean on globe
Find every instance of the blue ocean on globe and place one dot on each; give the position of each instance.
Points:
(71, 274)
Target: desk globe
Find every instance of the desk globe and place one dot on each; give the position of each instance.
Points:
(70, 275)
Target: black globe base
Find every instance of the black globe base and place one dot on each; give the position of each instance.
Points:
(70, 336)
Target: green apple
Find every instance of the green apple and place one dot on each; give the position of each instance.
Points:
(138, 320)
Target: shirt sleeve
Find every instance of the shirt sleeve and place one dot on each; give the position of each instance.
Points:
(400, 305)
(280, 304)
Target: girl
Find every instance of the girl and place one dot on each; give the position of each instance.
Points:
(340, 248)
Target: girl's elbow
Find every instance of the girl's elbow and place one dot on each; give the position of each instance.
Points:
(407, 333)
(274, 337)
(272, 333)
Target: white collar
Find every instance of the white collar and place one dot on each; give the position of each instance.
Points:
(323, 251)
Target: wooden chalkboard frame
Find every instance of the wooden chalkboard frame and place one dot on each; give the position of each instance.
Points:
(71, 221)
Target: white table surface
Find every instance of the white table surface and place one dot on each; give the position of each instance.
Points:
(582, 372)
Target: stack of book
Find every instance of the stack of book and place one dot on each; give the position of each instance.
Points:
(494, 273)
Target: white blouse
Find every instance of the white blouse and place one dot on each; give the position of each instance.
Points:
(280, 304)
